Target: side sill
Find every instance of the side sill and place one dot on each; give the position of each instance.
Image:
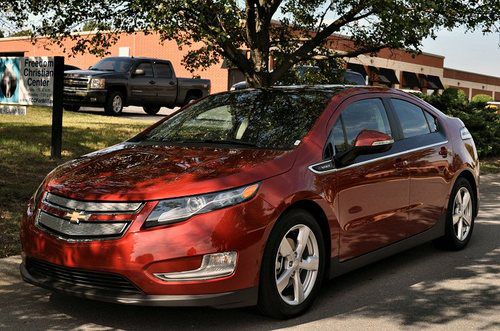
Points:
(338, 268)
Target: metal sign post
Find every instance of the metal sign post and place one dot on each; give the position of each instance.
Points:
(57, 108)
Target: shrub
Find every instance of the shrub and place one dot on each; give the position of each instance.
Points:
(482, 121)
(482, 98)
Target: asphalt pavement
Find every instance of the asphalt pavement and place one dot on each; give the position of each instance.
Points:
(423, 288)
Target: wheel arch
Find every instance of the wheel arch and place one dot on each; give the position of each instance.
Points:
(118, 88)
(319, 215)
(469, 176)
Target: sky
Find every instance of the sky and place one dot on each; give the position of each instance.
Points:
(467, 51)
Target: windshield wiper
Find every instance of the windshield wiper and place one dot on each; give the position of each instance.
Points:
(213, 141)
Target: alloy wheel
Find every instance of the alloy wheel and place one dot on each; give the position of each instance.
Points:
(462, 213)
(117, 104)
(297, 264)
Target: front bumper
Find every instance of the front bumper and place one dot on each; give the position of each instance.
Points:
(234, 299)
(84, 97)
(141, 253)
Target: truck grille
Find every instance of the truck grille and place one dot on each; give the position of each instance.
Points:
(79, 278)
(75, 83)
(76, 220)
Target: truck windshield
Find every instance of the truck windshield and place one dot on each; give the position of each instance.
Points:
(272, 119)
(113, 64)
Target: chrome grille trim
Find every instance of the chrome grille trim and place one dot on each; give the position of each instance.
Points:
(92, 207)
(83, 230)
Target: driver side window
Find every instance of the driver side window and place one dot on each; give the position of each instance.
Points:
(368, 114)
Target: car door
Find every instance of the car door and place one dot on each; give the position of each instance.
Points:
(166, 83)
(428, 160)
(372, 193)
(143, 87)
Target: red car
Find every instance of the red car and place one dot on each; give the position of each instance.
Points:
(253, 197)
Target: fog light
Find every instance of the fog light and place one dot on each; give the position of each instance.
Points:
(212, 266)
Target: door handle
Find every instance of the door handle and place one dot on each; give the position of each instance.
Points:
(152, 82)
(443, 151)
(171, 83)
(400, 164)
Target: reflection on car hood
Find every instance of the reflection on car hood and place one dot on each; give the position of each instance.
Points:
(146, 172)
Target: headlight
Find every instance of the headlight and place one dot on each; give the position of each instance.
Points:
(97, 83)
(177, 210)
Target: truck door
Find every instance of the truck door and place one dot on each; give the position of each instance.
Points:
(166, 83)
(143, 87)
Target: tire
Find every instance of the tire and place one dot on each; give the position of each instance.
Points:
(190, 98)
(71, 107)
(457, 213)
(151, 110)
(279, 262)
(114, 103)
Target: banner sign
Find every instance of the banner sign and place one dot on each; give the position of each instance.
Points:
(27, 80)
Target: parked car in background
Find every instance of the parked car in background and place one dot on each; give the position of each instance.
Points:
(253, 197)
(349, 78)
(116, 82)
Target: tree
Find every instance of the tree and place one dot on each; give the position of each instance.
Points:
(291, 31)
(95, 26)
(21, 33)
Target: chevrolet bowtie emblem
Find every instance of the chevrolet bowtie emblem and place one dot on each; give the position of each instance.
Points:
(75, 217)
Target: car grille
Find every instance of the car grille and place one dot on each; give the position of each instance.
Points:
(75, 83)
(71, 219)
(82, 230)
(52, 273)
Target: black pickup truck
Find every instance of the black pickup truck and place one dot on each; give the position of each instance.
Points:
(116, 82)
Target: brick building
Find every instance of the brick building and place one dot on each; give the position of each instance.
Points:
(396, 68)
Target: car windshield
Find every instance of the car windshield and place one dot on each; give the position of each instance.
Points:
(272, 119)
(113, 64)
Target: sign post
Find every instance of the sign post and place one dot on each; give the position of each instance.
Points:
(57, 107)
(37, 81)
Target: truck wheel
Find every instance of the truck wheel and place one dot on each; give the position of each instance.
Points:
(190, 98)
(151, 110)
(114, 103)
(72, 107)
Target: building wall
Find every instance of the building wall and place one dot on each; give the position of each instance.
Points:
(471, 83)
(139, 44)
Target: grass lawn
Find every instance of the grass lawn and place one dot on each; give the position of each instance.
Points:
(25, 157)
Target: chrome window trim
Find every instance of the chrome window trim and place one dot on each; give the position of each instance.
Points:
(92, 207)
(311, 167)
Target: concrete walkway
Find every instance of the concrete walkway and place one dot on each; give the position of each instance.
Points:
(421, 288)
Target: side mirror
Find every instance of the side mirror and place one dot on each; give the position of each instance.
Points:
(139, 72)
(367, 142)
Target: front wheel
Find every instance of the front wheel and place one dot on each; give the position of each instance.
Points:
(114, 103)
(151, 110)
(292, 267)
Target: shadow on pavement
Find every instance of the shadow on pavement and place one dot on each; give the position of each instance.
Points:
(423, 287)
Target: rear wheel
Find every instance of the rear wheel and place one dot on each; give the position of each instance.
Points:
(114, 103)
(191, 97)
(460, 216)
(151, 110)
(72, 107)
(292, 267)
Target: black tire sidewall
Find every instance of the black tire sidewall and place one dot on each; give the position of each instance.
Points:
(270, 301)
(109, 104)
(151, 110)
(72, 108)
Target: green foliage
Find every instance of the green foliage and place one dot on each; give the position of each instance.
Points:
(482, 121)
(482, 98)
(293, 31)
(95, 26)
(21, 33)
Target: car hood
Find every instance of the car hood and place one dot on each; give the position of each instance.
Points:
(91, 73)
(135, 172)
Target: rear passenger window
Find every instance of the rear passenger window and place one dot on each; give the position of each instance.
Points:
(412, 118)
(163, 70)
(361, 115)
